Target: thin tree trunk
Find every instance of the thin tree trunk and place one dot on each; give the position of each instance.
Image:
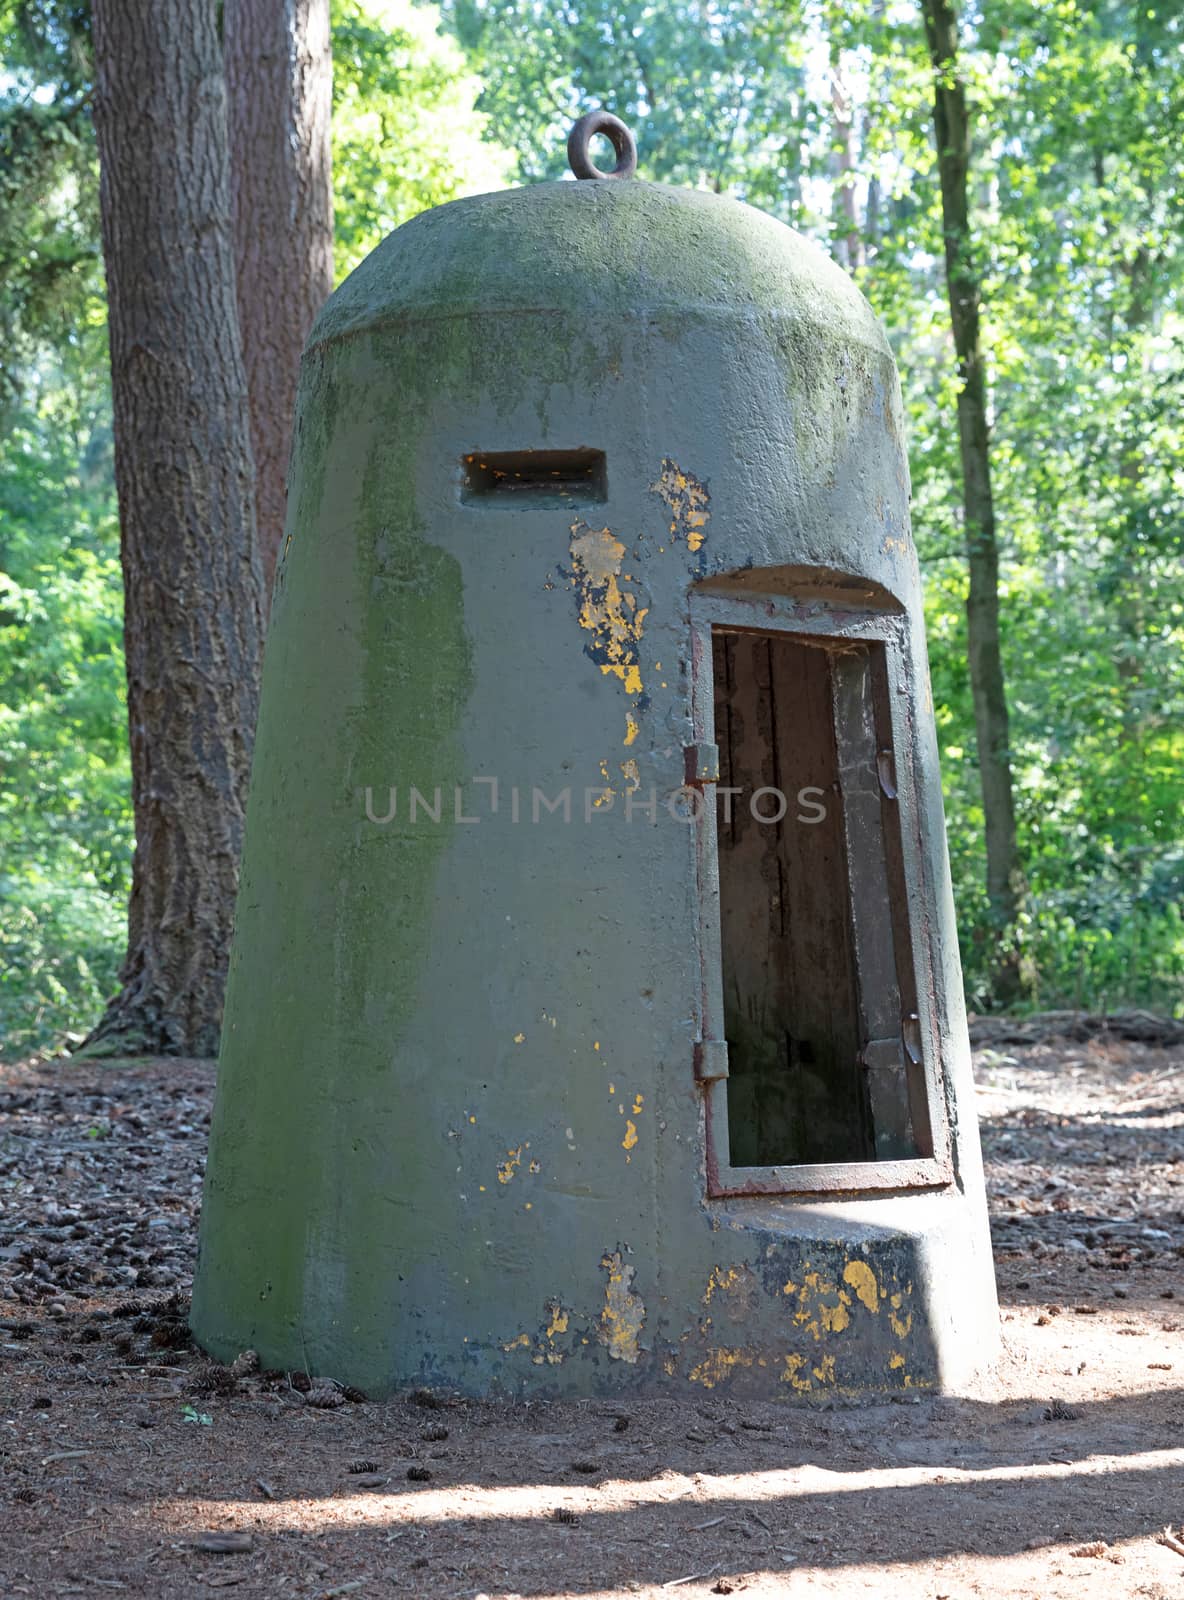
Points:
(1130, 608)
(843, 144)
(193, 621)
(279, 79)
(952, 127)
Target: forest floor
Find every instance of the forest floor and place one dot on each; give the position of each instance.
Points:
(130, 1465)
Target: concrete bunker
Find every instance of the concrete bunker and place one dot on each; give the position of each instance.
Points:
(546, 1070)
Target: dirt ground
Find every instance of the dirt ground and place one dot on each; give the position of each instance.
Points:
(130, 1465)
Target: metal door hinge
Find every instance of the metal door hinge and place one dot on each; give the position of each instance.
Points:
(711, 1060)
(701, 764)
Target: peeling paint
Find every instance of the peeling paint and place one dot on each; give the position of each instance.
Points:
(630, 1139)
(507, 1168)
(717, 1365)
(863, 1280)
(823, 1307)
(623, 1316)
(611, 614)
(688, 500)
(720, 1278)
(793, 1373)
(738, 1288)
(902, 1326)
(632, 729)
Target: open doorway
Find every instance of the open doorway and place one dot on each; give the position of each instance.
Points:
(819, 1007)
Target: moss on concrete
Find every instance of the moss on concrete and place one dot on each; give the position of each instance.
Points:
(598, 249)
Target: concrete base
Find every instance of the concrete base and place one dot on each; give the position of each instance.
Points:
(786, 1301)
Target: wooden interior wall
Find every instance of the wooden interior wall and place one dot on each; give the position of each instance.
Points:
(796, 1091)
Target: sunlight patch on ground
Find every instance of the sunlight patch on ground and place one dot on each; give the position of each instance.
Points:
(472, 1501)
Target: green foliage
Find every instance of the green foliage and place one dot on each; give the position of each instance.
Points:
(49, 256)
(406, 137)
(1079, 179)
(406, 134)
(65, 823)
(714, 94)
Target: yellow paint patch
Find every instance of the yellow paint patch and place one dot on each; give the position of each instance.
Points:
(739, 1290)
(519, 1037)
(630, 1139)
(558, 1319)
(632, 776)
(631, 729)
(835, 1318)
(863, 1280)
(825, 1370)
(793, 1370)
(896, 1360)
(720, 1364)
(688, 502)
(609, 612)
(623, 1316)
(823, 1307)
(722, 1278)
(522, 1342)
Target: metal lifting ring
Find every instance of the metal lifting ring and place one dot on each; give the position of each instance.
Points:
(581, 136)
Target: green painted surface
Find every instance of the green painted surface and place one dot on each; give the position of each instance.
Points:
(457, 1136)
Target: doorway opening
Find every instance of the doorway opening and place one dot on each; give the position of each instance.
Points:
(819, 1007)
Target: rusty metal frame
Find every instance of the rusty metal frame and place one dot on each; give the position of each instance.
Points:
(812, 617)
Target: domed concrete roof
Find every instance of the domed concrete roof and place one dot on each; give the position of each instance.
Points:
(609, 249)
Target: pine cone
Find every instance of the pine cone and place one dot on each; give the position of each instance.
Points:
(324, 1396)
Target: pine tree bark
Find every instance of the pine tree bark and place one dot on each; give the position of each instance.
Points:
(193, 620)
(279, 80)
(964, 288)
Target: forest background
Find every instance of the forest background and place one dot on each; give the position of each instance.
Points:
(822, 114)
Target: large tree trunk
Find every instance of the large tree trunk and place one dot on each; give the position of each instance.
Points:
(193, 619)
(279, 79)
(952, 127)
